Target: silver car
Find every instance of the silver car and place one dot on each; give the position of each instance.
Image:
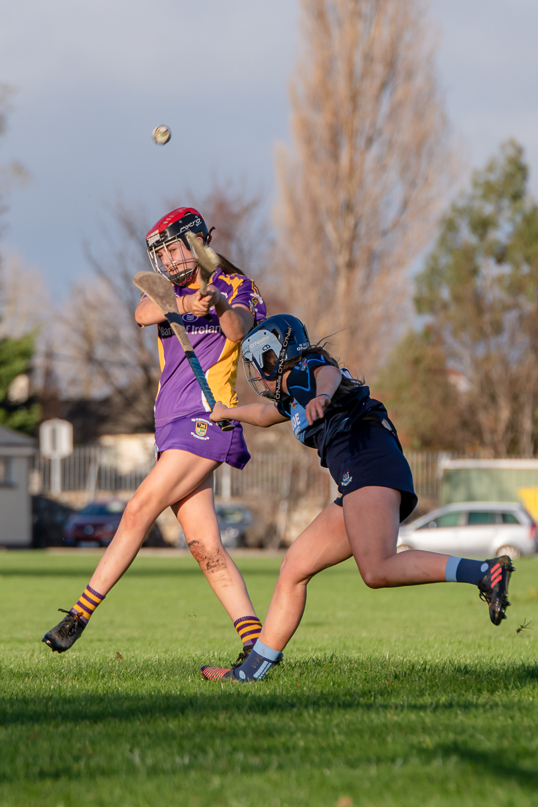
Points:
(476, 529)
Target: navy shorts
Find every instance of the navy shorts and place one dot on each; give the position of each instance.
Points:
(369, 455)
(199, 435)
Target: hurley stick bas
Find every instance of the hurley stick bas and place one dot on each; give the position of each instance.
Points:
(162, 293)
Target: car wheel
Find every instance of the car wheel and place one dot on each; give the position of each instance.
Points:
(510, 550)
(403, 548)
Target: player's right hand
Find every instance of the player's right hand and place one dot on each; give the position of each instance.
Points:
(220, 412)
(199, 306)
(315, 408)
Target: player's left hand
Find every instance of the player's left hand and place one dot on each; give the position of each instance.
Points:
(315, 409)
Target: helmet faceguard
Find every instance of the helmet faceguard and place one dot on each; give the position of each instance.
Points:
(282, 335)
(171, 230)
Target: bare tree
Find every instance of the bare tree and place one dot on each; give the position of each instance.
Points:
(24, 300)
(13, 174)
(100, 349)
(359, 190)
(240, 221)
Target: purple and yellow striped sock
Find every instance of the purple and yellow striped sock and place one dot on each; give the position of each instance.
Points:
(248, 628)
(86, 605)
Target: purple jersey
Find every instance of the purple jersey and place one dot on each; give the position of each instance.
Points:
(179, 393)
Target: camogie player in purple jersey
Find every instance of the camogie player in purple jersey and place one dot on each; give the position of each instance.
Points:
(189, 446)
(357, 442)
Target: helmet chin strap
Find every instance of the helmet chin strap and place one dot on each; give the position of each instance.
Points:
(281, 360)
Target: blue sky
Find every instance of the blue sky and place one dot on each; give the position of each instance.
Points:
(93, 80)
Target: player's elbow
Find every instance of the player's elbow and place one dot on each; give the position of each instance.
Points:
(238, 332)
(147, 313)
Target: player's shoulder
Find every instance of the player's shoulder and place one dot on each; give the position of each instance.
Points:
(234, 280)
(312, 359)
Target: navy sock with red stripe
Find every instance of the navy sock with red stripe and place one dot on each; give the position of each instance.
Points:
(464, 570)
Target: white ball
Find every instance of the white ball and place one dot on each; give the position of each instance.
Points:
(161, 135)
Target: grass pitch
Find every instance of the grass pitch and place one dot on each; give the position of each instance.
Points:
(386, 698)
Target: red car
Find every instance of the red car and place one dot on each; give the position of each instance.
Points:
(94, 525)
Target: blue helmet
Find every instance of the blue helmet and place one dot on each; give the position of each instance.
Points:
(282, 335)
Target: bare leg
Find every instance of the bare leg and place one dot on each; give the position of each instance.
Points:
(196, 513)
(324, 543)
(367, 528)
(371, 516)
(176, 474)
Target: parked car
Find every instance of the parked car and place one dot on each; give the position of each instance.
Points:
(475, 529)
(233, 520)
(48, 521)
(96, 524)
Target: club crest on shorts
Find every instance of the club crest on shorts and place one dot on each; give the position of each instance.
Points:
(200, 428)
(346, 479)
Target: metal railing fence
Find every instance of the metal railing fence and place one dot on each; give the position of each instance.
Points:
(94, 468)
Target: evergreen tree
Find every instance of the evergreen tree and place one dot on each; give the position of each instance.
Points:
(15, 359)
(416, 388)
(479, 289)
(15, 354)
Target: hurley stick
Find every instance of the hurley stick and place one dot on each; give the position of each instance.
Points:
(158, 289)
(206, 258)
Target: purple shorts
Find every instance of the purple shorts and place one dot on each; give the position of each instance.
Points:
(197, 434)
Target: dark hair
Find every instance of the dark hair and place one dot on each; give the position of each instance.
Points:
(228, 267)
(346, 384)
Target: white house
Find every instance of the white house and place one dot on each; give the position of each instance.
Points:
(16, 451)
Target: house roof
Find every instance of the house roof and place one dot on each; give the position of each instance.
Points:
(12, 439)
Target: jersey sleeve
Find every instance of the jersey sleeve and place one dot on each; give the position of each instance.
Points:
(248, 294)
(283, 406)
(315, 360)
(302, 381)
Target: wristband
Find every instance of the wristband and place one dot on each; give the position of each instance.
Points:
(326, 394)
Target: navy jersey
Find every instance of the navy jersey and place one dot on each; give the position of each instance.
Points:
(301, 386)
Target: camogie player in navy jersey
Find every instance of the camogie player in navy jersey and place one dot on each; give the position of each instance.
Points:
(357, 442)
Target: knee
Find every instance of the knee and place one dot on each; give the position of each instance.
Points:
(372, 576)
(133, 513)
(292, 574)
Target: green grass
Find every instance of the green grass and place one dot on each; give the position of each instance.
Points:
(386, 698)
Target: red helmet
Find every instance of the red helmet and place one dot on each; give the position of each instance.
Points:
(169, 230)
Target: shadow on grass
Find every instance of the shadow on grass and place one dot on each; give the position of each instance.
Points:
(124, 718)
(326, 699)
(414, 687)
